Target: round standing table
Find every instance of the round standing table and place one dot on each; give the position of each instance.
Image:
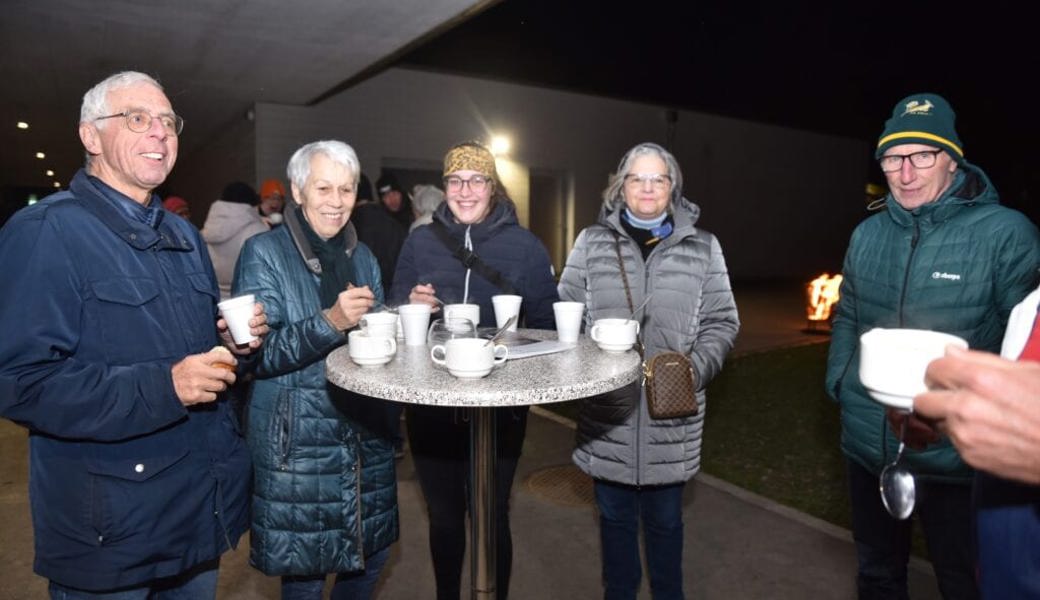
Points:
(581, 370)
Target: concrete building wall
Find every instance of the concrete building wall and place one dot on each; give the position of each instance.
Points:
(781, 201)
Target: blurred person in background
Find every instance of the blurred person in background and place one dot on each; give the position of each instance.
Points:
(425, 200)
(232, 219)
(393, 198)
(640, 465)
(381, 232)
(178, 206)
(325, 490)
(272, 202)
(480, 219)
(139, 477)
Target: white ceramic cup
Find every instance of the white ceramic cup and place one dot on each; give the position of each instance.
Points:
(465, 311)
(237, 312)
(506, 305)
(892, 362)
(614, 335)
(381, 324)
(469, 358)
(568, 320)
(369, 350)
(415, 320)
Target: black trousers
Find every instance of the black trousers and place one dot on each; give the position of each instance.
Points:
(439, 440)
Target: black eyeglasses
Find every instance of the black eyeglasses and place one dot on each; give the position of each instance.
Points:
(139, 121)
(923, 159)
(477, 183)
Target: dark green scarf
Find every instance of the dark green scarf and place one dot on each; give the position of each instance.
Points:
(337, 269)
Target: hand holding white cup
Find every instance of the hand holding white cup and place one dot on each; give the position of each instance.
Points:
(237, 312)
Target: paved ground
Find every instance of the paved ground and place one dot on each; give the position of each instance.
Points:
(738, 545)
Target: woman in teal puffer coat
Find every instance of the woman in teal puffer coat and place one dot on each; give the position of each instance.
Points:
(325, 492)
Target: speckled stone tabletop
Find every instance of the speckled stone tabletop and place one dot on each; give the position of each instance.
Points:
(412, 377)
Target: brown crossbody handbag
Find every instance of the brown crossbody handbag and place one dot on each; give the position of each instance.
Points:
(671, 391)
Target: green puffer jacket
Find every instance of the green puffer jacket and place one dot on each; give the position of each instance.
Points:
(324, 491)
(956, 265)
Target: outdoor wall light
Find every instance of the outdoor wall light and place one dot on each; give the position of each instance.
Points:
(500, 145)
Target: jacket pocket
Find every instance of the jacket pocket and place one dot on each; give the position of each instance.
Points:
(203, 303)
(283, 430)
(132, 304)
(128, 496)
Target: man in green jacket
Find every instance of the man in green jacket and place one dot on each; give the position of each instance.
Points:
(944, 255)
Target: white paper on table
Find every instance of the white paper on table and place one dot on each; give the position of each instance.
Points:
(523, 347)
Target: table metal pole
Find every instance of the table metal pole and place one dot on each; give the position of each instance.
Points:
(483, 455)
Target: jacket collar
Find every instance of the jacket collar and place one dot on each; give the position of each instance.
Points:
(299, 239)
(970, 186)
(103, 203)
(684, 215)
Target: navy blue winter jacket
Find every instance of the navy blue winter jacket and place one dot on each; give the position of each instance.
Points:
(127, 485)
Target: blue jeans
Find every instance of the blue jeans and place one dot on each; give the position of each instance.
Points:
(620, 509)
(197, 583)
(883, 542)
(357, 585)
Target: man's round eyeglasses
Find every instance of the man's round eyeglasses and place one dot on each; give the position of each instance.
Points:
(477, 183)
(924, 159)
(139, 121)
(657, 180)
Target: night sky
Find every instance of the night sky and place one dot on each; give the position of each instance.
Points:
(835, 67)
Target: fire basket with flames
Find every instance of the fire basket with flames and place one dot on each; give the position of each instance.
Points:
(822, 296)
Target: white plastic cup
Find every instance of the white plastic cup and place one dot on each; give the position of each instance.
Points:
(568, 320)
(415, 320)
(465, 311)
(506, 305)
(237, 312)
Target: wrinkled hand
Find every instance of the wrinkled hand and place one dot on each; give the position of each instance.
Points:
(257, 326)
(197, 380)
(351, 304)
(919, 432)
(990, 408)
(424, 293)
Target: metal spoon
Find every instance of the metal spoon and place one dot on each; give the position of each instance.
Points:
(640, 307)
(501, 330)
(897, 483)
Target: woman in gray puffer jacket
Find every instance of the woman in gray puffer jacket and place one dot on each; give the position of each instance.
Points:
(641, 465)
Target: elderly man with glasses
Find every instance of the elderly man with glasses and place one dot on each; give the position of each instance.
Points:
(943, 255)
(113, 357)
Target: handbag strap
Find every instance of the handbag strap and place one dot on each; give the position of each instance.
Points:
(628, 291)
(469, 258)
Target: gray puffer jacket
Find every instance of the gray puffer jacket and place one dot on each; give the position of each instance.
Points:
(692, 311)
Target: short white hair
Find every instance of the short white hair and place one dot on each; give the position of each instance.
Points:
(95, 101)
(299, 168)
